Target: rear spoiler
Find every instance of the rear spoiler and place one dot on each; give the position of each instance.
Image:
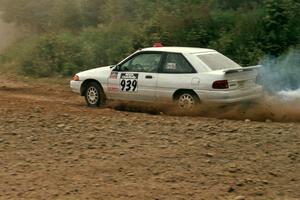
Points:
(228, 71)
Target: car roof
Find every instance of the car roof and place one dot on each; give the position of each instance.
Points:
(179, 49)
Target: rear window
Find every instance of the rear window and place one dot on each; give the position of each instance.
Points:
(217, 61)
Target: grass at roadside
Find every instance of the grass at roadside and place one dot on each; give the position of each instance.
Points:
(12, 72)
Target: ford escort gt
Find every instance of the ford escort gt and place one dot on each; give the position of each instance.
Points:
(182, 75)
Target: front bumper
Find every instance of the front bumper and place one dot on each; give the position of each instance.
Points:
(76, 86)
(231, 96)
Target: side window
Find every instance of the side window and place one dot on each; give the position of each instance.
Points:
(176, 63)
(147, 62)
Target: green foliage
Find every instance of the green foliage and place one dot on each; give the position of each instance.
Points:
(241, 42)
(74, 35)
(52, 54)
(66, 53)
(277, 25)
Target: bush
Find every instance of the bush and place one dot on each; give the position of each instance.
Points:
(53, 54)
(67, 53)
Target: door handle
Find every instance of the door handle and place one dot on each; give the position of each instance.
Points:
(148, 77)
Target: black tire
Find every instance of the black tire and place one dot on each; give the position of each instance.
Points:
(94, 95)
(186, 101)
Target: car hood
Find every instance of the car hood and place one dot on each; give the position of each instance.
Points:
(95, 73)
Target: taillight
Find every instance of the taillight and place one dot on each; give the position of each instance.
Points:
(75, 78)
(223, 84)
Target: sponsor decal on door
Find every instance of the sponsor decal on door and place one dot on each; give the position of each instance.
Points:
(113, 87)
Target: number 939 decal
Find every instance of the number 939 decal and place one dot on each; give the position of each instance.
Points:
(129, 82)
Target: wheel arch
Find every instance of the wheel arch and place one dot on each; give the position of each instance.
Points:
(85, 84)
(178, 92)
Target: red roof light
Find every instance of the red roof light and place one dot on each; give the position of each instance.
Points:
(158, 44)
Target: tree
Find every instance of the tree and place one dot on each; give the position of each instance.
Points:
(276, 26)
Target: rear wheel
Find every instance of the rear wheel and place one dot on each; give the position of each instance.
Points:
(94, 95)
(187, 101)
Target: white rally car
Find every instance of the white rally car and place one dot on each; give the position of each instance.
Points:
(183, 75)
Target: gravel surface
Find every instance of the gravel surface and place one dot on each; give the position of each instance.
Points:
(54, 147)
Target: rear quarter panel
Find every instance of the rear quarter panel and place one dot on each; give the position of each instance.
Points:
(168, 84)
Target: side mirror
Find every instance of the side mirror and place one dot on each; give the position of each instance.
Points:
(116, 68)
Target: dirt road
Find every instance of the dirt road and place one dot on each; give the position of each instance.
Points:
(53, 147)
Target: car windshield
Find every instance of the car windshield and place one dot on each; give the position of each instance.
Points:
(217, 61)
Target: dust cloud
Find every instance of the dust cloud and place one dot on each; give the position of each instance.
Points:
(8, 34)
(281, 73)
(268, 109)
(281, 80)
(290, 94)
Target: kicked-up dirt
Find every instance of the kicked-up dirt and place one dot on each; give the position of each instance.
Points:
(54, 147)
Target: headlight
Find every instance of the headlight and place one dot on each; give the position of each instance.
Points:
(75, 78)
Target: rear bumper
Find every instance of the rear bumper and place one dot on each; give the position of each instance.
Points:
(76, 86)
(231, 96)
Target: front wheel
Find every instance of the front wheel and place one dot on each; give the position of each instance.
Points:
(94, 95)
